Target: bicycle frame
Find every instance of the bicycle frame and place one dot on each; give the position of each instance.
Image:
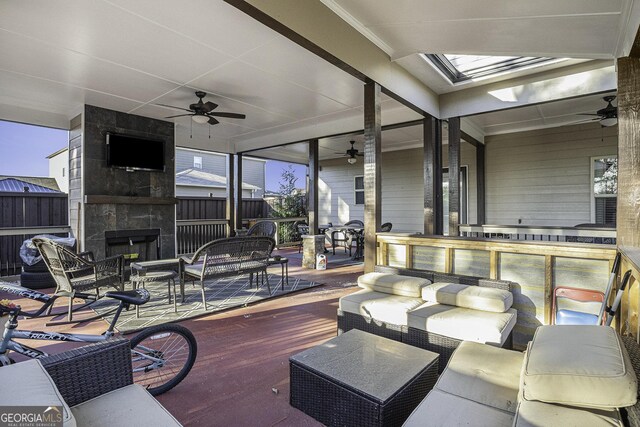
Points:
(10, 331)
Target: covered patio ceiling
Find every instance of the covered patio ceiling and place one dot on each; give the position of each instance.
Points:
(129, 56)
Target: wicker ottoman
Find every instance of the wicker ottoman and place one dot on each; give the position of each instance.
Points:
(361, 379)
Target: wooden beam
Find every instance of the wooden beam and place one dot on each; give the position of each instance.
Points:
(432, 169)
(372, 178)
(480, 185)
(314, 160)
(230, 214)
(454, 176)
(237, 178)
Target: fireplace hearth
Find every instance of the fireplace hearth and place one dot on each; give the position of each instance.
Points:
(135, 245)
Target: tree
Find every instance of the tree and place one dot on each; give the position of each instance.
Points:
(290, 203)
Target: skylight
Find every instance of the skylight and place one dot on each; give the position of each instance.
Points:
(460, 68)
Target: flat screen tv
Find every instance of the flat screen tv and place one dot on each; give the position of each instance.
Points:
(133, 153)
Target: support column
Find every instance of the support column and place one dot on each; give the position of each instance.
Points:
(237, 178)
(628, 221)
(432, 147)
(454, 176)
(372, 178)
(312, 209)
(480, 187)
(230, 214)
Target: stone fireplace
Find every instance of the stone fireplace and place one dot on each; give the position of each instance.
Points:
(114, 208)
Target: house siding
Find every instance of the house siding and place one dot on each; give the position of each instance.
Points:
(542, 177)
(252, 171)
(402, 189)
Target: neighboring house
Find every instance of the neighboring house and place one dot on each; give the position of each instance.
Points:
(198, 173)
(197, 183)
(213, 169)
(28, 184)
(59, 168)
(562, 176)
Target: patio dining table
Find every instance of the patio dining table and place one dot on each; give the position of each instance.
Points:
(358, 232)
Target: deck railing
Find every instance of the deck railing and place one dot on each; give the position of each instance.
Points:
(543, 233)
(193, 233)
(11, 239)
(537, 267)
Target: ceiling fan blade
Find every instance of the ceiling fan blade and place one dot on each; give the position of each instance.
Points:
(213, 121)
(171, 106)
(228, 115)
(585, 114)
(360, 154)
(210, 106)
(179, 115)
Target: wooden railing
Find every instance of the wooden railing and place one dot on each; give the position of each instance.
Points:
(542, 233)
(11, 239)
(537, 267)
(286, 235)
(630, 304)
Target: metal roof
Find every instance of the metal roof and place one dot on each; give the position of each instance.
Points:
(18, 185)
(200, 178)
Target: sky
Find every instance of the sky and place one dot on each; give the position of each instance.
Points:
(24, 150)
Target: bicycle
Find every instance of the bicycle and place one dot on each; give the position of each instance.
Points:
(157, 353)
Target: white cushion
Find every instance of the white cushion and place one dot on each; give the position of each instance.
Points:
(475, 297)
(128, 406)
(484, 374)
(585, 366)
(393, 284)
(443, 410)
(539, 414)
(379, 306)
(28, 384)
(463, 323)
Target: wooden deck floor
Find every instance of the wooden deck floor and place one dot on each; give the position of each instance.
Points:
(241, 375)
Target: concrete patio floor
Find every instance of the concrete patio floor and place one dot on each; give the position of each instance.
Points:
(241, 375)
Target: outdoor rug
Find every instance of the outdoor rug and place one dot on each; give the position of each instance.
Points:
(221, 294)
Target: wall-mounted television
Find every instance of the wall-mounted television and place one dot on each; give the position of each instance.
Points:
(134, 153)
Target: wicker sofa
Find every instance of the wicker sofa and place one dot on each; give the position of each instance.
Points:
(569, 376)
(93, 384)
(393, 305)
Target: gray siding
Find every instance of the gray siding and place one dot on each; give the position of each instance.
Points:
(402, 189)
(253, 170)
(543, 177)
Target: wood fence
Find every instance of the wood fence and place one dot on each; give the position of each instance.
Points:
(216, 208)
(19, 210)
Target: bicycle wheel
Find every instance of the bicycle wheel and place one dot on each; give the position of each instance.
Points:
(162, 356)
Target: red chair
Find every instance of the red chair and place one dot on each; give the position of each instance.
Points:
(573, 317)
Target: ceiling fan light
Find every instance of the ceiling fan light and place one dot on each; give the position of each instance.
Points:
(199, 118)
(352, 160)
(609, 121)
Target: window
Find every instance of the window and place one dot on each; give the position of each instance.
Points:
(604, 177)
(197, 162)
(358, 187)
(460, 68)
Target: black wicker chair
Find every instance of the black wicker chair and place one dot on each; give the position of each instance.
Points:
(300, 228)
(263, 228)
(345, 237)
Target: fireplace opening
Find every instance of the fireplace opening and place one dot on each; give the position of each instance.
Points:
(134, 245)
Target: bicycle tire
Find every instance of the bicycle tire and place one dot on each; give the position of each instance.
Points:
(158, 332)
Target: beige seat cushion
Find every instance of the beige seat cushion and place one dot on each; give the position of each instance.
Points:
(466, 296)
(128, 406)
(379, 306)
(28, 384)
(463, 323)
(393, 284)
(540, 414)
(585, 366)
(484, 374)
(440, 409)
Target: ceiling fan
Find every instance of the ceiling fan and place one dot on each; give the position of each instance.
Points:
(608, 116)
(351, 154)
(202, 112)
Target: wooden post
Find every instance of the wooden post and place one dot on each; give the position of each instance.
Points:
(230, 214)
(548, 288)
(237, 178)
(454, 176)
(372, 178)
(312, 209)
(432, 166)
(480, 180)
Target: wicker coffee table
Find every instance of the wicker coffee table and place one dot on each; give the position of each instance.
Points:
(360, 379)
